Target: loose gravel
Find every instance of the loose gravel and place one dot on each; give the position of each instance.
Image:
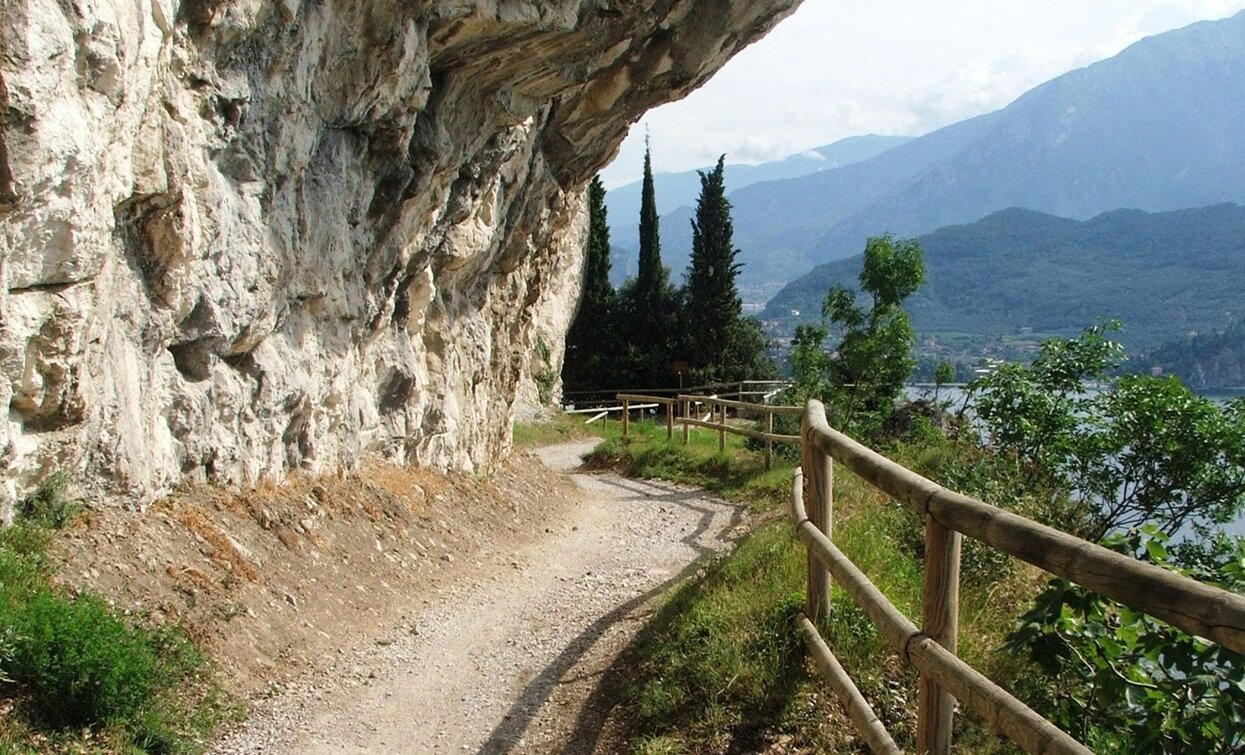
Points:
(509, 661)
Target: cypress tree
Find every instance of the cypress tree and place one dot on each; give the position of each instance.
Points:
(589, 342)
(714, 309)
(722, 344)
(651, 277)
(649, 303)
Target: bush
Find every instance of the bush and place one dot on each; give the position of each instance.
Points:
(80, 664)
(50, 505)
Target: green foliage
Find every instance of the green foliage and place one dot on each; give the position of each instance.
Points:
(73, 665)
(652, 277)
(866, 373)
(545, 377)
(1124, 682)
(592, 338)
(647, 316)
(50, 505)
(1144, 450)
(719, 341)
(81, 665)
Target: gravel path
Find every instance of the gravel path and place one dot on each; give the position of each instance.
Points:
(509, 662)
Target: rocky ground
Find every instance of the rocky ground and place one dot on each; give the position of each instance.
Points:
(394, 610)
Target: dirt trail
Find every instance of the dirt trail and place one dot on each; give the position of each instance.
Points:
(507, 662)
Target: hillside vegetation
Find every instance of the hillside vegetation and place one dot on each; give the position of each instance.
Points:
(1019, 274)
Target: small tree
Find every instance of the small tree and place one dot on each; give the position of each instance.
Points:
(874, 356)
(944, 373)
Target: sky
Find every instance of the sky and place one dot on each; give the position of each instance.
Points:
(838, 68)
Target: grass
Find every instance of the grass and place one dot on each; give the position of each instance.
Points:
(557, 427)
(77, 676)
(721, 667)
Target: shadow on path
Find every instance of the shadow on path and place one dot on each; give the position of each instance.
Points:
(506, 735)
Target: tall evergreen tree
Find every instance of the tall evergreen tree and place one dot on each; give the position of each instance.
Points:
(649, 304)
(652, 277)
(590, 342)
(720, 340)
(713, 304)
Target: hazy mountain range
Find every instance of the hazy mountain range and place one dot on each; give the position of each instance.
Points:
(1157, 127)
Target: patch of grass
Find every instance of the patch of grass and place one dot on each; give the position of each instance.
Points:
(75, 675)
(557, 427)
(736, 472)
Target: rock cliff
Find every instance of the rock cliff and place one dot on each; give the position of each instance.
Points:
(242, 237)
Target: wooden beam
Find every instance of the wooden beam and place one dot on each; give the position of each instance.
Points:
(867, 723)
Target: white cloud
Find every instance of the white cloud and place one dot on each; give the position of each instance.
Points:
(835, 69)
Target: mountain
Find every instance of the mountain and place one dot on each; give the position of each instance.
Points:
(1020, 274)
(1155, 128)
(677, 192)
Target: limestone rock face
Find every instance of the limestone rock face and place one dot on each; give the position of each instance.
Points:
(241, 237)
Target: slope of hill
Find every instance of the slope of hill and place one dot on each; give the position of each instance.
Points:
(1156, 128)
(1024, 272)
(1206, 361)
(677, 192)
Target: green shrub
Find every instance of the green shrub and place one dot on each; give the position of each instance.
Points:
(81, 665)
(50, 505)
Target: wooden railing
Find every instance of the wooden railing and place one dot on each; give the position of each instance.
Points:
(740, 390)
(688, 414)
(1190, 605)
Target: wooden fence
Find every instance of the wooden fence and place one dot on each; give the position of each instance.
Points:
(758, 391)
(685, 410)
(1185, 603)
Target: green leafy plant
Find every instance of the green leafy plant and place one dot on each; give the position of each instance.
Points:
(865, 374)
(1122, 681)
(545, 377)
(1145, 449)
(81, 665)
(50, 505)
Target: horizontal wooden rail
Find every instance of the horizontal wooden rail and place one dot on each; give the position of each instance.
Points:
(1197, 608)
(642, 397)
(610, 408)
(744, 405)
(858, 709)
(745, 431)
(1187, 604)
(993, 703)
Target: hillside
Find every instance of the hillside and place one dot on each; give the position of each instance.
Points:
(1020, 272)
(1207, 361)
(676, 194)
(1154, 128)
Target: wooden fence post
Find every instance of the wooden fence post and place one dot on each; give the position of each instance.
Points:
(722, 427)
(687, 414)
(669, 419)
(769, 444)
(940, 619)
(819, 503)
(626, 416)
